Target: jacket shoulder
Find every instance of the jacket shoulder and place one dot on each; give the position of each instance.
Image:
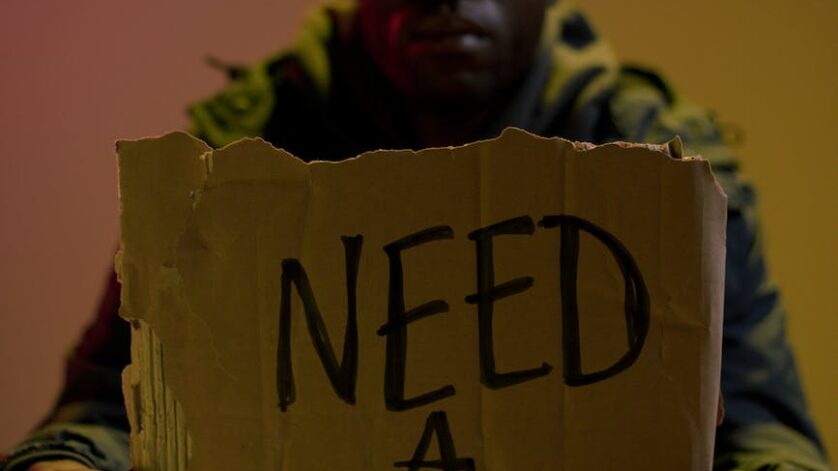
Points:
(645, 108)
(244, 108)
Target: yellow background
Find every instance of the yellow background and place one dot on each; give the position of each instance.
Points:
(768, 67)
(78, 75)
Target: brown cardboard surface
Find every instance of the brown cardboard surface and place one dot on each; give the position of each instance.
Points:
(215, 244)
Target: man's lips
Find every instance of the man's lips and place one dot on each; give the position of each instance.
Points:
(447, 35)
(443, 26)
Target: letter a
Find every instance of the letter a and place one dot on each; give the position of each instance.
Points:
(437, 422)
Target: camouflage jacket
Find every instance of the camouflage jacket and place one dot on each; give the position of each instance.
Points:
(323, 99)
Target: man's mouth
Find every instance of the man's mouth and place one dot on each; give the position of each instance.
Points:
(447, 35)
(443, 27)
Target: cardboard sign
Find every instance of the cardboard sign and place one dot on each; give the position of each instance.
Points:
(512, 305)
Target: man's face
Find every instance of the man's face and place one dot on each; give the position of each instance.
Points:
(455, 52)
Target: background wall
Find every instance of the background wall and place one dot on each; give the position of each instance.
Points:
(78, 75)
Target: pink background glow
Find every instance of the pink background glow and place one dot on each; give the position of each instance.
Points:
(76, 76)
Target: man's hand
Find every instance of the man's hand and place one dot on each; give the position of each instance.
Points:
(62, 465)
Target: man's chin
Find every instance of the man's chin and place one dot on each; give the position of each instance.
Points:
(455, 92)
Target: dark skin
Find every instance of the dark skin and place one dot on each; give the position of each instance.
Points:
(454, 62)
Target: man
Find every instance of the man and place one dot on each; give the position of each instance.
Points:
(417, 73)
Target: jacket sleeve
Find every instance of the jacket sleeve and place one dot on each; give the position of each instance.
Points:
(767, 425)
(767, 421)
(88, 423)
